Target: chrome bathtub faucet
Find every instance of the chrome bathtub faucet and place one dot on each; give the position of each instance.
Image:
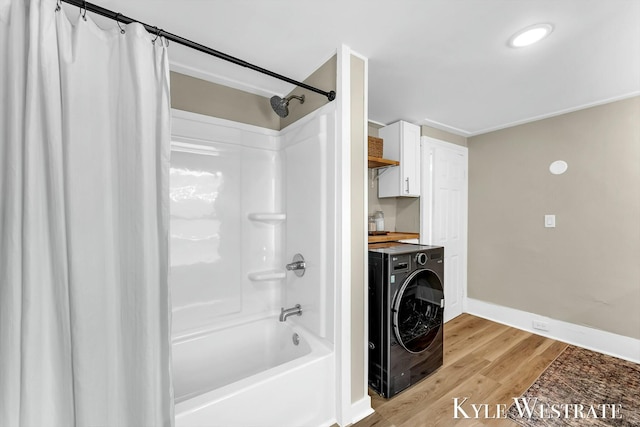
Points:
(296, 310)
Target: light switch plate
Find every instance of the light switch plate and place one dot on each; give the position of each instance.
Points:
(550, 221)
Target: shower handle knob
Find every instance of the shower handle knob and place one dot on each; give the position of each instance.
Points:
(298, 265)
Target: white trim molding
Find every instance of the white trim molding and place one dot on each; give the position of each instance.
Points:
(361, 409)
(446, 128)
(620, 346)
(343, 238)
(530, 119)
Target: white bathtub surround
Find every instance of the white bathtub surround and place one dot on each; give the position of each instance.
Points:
(239, 257)
(194, 356)
(306, 181)
(244, 201)
(84, 168)
(267, 379)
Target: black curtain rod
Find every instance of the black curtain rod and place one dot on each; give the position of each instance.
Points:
(331, 95)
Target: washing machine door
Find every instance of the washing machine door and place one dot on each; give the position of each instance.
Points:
(417, 310)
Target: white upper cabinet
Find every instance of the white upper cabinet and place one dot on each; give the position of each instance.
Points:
(401, 142)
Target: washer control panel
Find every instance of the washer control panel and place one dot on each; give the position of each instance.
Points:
(400, 263)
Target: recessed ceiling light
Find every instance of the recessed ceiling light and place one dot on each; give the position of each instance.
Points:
(530, 35)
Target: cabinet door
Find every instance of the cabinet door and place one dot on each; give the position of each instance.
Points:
(410, 160)
(402, 143)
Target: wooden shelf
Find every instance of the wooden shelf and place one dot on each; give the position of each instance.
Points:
(376, 162)
(382, 245)
(393, 236)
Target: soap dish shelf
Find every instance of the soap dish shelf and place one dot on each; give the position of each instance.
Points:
(268, 218)
(267, 275)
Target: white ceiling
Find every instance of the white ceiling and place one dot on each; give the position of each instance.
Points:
(443, 63)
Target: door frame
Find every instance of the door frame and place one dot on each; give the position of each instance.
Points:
(427, 145)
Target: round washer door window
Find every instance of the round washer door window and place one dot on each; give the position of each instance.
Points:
(417, 315)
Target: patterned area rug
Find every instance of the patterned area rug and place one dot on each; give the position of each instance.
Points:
(581, 388)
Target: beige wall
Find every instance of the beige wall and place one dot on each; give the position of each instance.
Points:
(408, 214)
(211, 99)
(323, 78)
(443, 135)
(372, 129)
(403, 213)
(585, 271)
(387, 204)
(358, 227)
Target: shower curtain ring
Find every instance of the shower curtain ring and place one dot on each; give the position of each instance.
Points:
(157, 35)
(122, 31)
(58, 6)
(84, 11)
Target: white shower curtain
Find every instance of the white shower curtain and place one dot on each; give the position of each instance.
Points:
(84, 160)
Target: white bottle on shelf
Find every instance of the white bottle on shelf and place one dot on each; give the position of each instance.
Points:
(379, 216)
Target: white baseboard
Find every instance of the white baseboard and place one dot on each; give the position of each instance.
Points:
(582, 336)
(361, 409)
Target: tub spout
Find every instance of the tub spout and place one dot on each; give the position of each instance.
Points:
(284, 313)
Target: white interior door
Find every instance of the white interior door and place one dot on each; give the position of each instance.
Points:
(444, 215)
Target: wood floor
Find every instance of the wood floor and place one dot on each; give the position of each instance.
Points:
(484, 361)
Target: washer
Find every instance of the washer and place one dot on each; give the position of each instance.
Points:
(406, 304)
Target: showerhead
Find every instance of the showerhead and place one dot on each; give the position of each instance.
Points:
(281, 106)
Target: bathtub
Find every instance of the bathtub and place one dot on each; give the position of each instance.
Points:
(253, 375)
